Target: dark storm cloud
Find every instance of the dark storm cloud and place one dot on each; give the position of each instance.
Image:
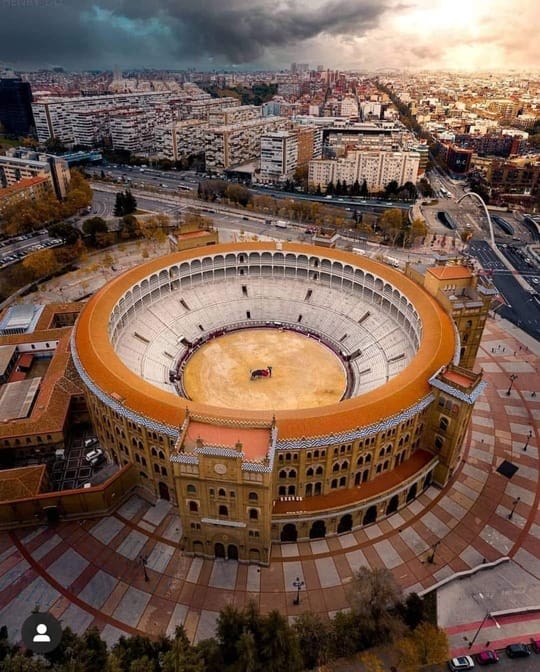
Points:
(85, 33)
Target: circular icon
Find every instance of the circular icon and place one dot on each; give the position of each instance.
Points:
(41, 632)
(220, 469)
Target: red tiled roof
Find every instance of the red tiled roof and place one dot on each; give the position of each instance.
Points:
(112, 376)
(450, 272)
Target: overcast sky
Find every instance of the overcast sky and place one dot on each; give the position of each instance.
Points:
(348, 34)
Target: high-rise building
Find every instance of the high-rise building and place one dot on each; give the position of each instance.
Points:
(22, 164)
(279, 155)
(15, 105)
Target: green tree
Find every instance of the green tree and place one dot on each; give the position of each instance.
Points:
(314, 637)
(119, 207)
(391, 188)
(128, 227)
(69, 234)
(364, 191)
(355, 191)
(344, 635)
(182, 656)
(412, 610)
(130, 203)
(279, 650)
(248, 658)
(330, 189)
(94, 226)
(229, 628)
(391, 224)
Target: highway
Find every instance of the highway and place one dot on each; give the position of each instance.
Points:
(523, 308)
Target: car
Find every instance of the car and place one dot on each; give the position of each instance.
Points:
(487, 657)
(461, 663)
(535, 644)
(95, 456)
(517, 651)
(535, 280)
(88, 443)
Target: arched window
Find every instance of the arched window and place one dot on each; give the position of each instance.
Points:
(335, 467)
(253, 514)
(309, 472)
(191, 489)
(291, 490)
(381, 452)
(342, 481)
(221, 493)
(386, 465)
(368, 458)
(253, 496)
(282, 491)
(309, 489)
(193, 506)
(334, 483)
(378, 470)
(360, 461)
(223, 510)
(154, 452)
(288, 457)
(439, 442)
(156, 468)
(283, 474)
(345, 465)
(443, 424)
(316, 454)
(161, 455)
(292, 473)
(319, 471)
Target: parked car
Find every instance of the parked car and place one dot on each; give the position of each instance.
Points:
(95, 456)
(517, 651)
(90, 442)
(535, 644)
(461, 663)
(487, 657)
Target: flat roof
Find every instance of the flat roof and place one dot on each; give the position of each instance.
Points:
(255, 441)
(104, 367)
(16, 398)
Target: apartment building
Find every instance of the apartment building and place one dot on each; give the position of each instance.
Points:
(133, 131)
(376, 167)
(233, 115)
(229, 145)
(279, 155)
(28, 189)
(200, 108)
(56, 116)
(181, 138)
(23, 164)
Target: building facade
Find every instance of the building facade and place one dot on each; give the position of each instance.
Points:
(243, 480)
(16, 106)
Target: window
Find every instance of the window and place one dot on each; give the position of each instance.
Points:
(156, 468)
(232, 494)
(223, 510)
(253, 514)
(191, 489)
(342, 481)
(443, 424)
(309, 472)
(163, 471)
(283, 474)
(193, 506)
(334, 483)
(282, 491)
(319, 471)
(222, 493)
(439, 442)
(253, 496)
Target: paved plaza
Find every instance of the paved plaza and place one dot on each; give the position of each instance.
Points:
(91, 573)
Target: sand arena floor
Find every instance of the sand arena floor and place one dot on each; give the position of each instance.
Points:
(305, 373)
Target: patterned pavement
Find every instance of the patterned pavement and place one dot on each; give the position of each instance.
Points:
(91, 572)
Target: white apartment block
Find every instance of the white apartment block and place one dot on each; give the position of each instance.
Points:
(377, 167)
(232, 145)
(181, 138)
(133, 130)
(233, 115)
(279, 155)
(201, 108)
(349, 107)
(57, 116)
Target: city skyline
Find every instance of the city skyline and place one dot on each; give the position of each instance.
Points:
(344, 34)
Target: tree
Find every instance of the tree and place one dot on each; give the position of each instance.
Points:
(412, 610)
(41, 264)
(425, 645)
(279, 651)
(391, 224)
(119, 205)
(248, 658)
(229, 628)
(371, 663)
(128, 227)
(130, 203)
(238, 194)
(182, 657)
(94, 226)
(69, 234)
(330, 189)
(373, 594)
(364, 191)
(355, 191)
(344, 635)
(391, 188)
(313, 636)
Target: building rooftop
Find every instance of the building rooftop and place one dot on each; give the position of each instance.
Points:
(450, 272)
(21, 483)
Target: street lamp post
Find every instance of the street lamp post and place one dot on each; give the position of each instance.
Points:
(488, 615)
(513, 377)
(529, 436)
(514, 504)
(143, 560)
(297, 583)
(431, 558)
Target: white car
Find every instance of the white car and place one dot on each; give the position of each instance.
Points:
(95, 456)
(461, 663)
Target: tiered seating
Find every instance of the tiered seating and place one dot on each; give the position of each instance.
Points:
(150, 343)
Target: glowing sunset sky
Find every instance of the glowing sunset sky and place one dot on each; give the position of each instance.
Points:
(348, 34)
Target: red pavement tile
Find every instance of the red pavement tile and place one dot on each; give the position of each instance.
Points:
(155, 618)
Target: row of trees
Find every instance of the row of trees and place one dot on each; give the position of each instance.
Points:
(247, 641)
(405, 192)
(24, 216)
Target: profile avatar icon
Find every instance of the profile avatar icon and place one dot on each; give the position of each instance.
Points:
(41, 632)
(42, 635)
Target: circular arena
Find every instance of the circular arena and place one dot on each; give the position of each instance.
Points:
(298, 375)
